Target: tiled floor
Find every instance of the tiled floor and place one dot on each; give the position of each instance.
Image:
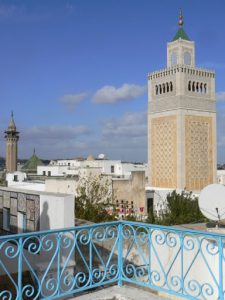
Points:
(119, 293)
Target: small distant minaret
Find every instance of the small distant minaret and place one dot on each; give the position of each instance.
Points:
(11, 137)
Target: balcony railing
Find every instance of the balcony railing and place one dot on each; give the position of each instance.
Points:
(57, 263)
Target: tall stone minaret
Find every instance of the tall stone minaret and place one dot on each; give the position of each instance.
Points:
(181, 120)
(11, 137)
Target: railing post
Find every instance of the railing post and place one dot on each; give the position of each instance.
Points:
(220, 245)
(59, 262)
(120, 253)
(182, 261)
(90, 256)
(20, 266)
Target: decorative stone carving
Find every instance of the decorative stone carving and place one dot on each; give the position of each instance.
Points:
(30, 209)
(6, 199)
(37, 214)
(199, 154)
(21, 202)
(164, 151)
(32, 197)
(30, 225)
(13, 195)
(13, 206)
(13, 224)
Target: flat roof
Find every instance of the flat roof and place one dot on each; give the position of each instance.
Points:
(34, 192)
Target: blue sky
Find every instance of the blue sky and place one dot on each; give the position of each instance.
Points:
(75, 72)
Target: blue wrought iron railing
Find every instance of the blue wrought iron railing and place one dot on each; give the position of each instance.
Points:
(57, 263)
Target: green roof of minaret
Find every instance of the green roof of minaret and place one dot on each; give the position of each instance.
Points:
(181, 34)
(31, 165)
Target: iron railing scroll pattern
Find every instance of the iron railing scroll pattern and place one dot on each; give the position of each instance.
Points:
(185, 263)
(57, 263)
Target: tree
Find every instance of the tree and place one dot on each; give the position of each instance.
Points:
(94, 199)
(180, 209)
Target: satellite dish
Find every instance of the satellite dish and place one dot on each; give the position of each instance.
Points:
(212, 202)
(101, 156)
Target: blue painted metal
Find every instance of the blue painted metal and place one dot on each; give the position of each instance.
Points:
(57, 263)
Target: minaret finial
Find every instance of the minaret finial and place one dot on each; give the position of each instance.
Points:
(34, 152)
(181, 20)
(12, 113)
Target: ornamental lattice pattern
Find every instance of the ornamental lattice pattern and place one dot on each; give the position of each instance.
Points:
(199, 152)
(164, 151)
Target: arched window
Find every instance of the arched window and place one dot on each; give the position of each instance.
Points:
(167, 87)
(164, 88)
(189, 85)
(205, 88)
(193, 86)
(160, 89)
(197, 87)
(156, 89)
(171, 86)
(201, 87)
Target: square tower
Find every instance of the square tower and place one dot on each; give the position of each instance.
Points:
(181, 120)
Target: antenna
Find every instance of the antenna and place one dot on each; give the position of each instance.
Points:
(212, 203)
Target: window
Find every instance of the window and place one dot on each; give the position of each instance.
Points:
(44, 173)
(6, 219)
(197, 87)
(15, 178)
(187, 58)
(150, 205)
(167, 87)
(49, 173)
(22, 222)
(112, 169)
(189, 85)
(173, 58)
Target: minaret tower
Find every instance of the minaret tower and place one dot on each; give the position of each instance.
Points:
(181, 120)
(11, 137)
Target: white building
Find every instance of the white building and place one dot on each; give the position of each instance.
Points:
(31, 210)
(19, 180)
(72, 167)
(221, 176)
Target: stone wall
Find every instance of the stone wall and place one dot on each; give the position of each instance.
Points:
(131, 190)
(28, 204)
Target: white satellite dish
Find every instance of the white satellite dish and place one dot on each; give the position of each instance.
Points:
(101, 156)
(212, 202)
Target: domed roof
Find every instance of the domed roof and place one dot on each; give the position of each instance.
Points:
(90, 157)
(181, 34)
(32, 164)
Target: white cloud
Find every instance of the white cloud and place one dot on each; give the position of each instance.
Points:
(129, 125)
(220, 96)
(110, 94)
(54, 132)
(71, 100)
(54, 141)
